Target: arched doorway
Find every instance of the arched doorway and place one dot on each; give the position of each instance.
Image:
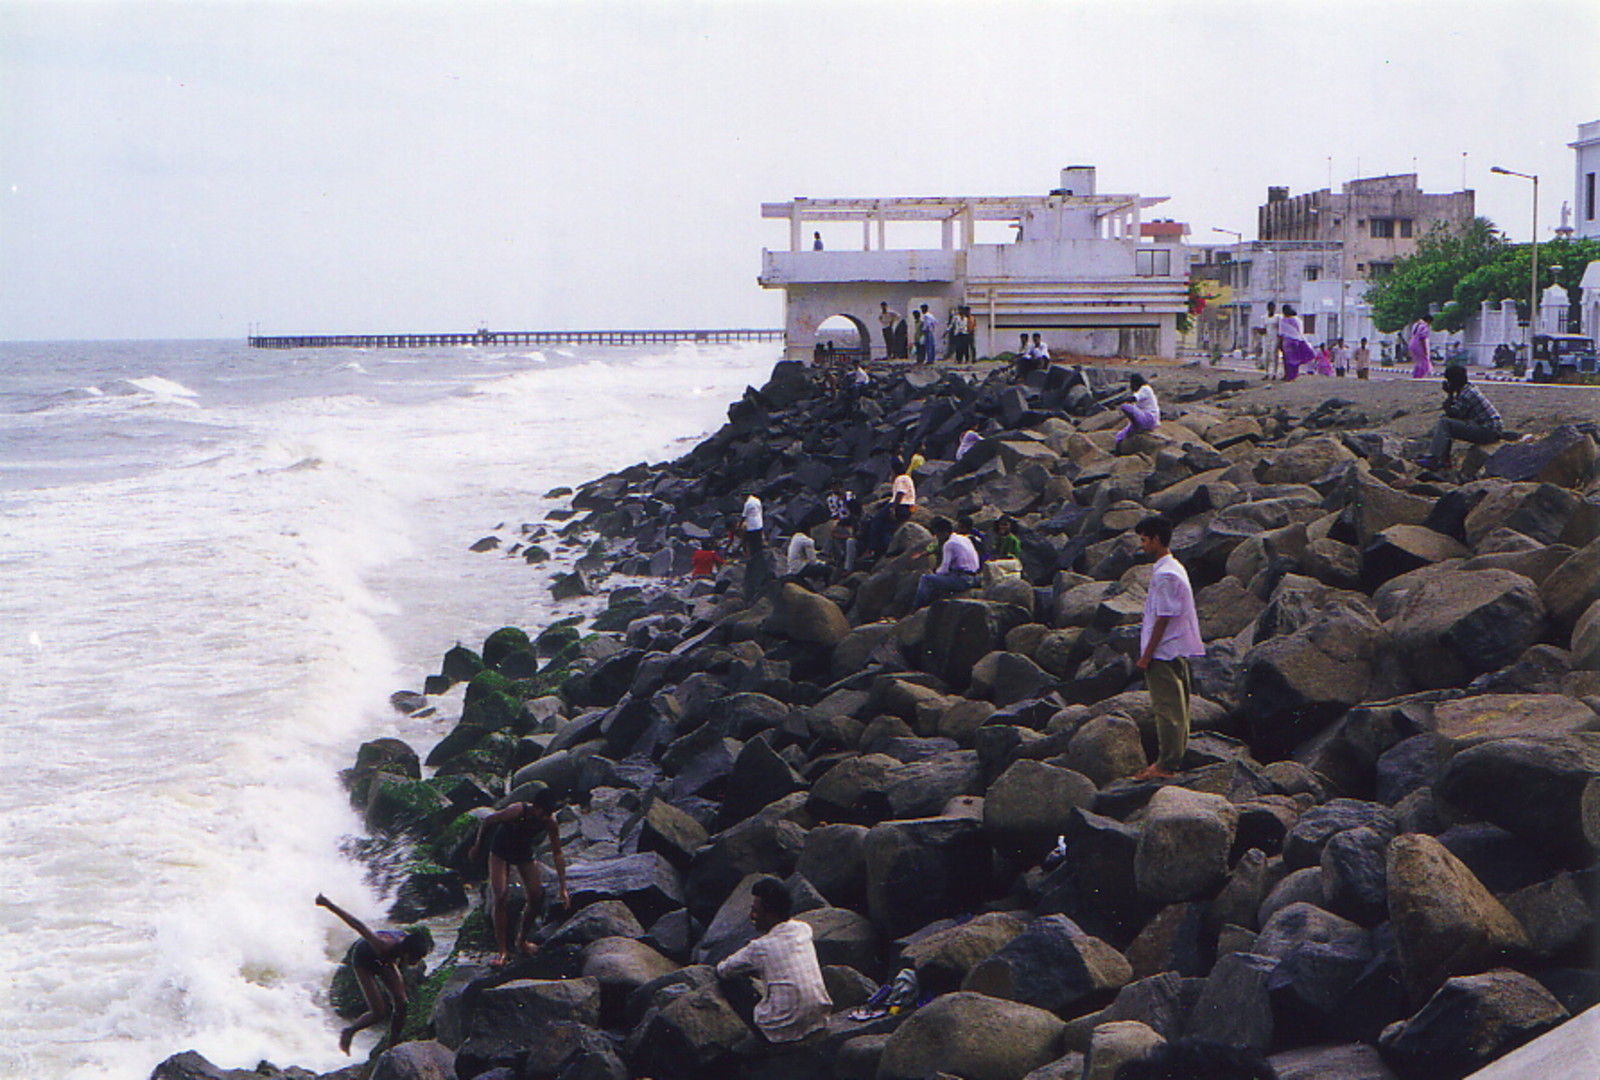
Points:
(842, 339)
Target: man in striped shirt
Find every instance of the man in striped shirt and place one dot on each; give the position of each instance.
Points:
(1468, 416)
(794, 1002)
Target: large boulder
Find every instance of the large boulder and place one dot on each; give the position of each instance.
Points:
(646, 882)
(687, 1035)
(1472, 1020)
(1030, 804)
(832, 862)
(1457, 625)
(961, 632)
(942, 958)
(1565, 457)
(924, 869)
(1292, 686)
(1096, 884)
(427, 1060)
(1184, 846)
(1532, 787)
(1234, 1006)
(973, 1036)
(621, 965)
(1573, 586)
(504, 1022)
(1052, 964)
(806, 616)
(1445, 922)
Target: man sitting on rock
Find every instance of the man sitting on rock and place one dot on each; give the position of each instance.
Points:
(794, 1002)
(1468, 416)
(958, 565)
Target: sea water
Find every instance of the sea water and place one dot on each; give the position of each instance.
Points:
(216, 564)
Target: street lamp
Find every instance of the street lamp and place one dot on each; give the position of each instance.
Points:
(1533, 244)
(1235, 333)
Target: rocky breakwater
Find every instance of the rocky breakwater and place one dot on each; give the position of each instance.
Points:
(1377, 861)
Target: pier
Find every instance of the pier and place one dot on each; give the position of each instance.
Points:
(509, 337)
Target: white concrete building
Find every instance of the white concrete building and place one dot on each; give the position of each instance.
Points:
(1586, 150)
(1083, 270)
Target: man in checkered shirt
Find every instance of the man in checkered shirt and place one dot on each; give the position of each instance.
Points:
(1468, 416)
(794, 1002)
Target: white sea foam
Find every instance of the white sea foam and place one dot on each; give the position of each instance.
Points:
(188, 656)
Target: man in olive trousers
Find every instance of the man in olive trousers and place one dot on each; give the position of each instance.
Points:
(1168, 636)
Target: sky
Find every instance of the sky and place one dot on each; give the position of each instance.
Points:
(204, 168)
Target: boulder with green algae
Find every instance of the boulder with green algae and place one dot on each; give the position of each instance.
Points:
(460, 664)
(502, 643)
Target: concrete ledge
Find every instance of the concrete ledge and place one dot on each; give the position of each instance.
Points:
(1571, 1050)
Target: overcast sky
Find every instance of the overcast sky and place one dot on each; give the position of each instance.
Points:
(191, 169)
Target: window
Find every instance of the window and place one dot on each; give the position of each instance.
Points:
(1156, 262)
(1241, 275)
(1588, 197)
(1312, 273)
(1405, 228)
(1382, 228)
(1310, 327)
(1379, 269)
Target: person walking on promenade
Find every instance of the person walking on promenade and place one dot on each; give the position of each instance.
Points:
(886, 320)
(1168, 636)
(518, 828)
(1270, 343)
(928, 341)
(1292, 342)
(1468, 416)
(1143, 412)
(958, 565)
(1363, 360)
(794, 1001)
(1341, 358)
(1417, 341)
(376, 961)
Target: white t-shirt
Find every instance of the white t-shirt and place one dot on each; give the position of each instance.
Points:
(1171, 595)
(802, 552)
(752, 515)
(959, 554)
(1145, 398)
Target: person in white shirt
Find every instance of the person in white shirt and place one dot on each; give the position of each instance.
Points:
(1168, 635)
(1269, 342)
(928, 343)
(751, 519)
(794, 1002)
(1039, 354)
(1143, 412)
(958, 565)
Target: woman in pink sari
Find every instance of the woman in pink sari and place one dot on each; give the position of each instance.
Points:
(1296, 353)
(1324, 360)
(1417, 346)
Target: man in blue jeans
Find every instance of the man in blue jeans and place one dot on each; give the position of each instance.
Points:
(958, 565)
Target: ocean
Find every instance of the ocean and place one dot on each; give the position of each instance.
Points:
(218, 563)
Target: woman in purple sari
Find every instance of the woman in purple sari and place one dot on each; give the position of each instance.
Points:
(1417, 346)
(1296, 353)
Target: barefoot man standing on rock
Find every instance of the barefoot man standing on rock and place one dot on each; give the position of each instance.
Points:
(518, 828)
(1168, 636)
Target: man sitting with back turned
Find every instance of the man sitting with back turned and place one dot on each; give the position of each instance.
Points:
(794, 1002)
(1468, 416)
(958, 565)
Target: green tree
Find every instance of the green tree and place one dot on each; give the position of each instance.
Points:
(1427, 280)
(1454, 272)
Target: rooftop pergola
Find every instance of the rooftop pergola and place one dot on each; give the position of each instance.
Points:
(948, 211)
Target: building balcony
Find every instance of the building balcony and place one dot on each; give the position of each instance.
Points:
(783, 268)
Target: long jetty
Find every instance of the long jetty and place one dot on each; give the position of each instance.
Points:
(509, 337)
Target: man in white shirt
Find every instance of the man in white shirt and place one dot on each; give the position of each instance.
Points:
(928, 350)
(753, 523)
(958, 565)
(1143, 412)
(794, 1002)
(1168, 636)
(1269, 341)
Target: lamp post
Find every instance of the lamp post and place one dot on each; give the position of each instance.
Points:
(1533, 244)
(1235, 333)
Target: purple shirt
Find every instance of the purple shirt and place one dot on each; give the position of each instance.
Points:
(1171, 595)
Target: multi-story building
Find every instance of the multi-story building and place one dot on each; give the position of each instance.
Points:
(1082, 269)
(1377, 220)
(1319, 250)
(1587, 154)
